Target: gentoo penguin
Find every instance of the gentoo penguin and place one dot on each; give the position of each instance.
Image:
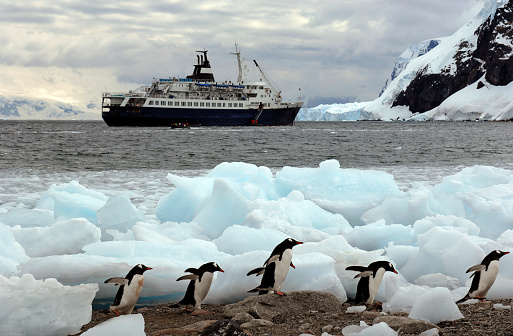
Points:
(129, 290)
(201, 279)
(370, 279)
(275, 268)
(484, 276)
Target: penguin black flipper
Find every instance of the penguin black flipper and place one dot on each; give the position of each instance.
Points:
(188, 277)
(258, 271)
(364, 274)
(476, 268)
(117, 281)
(192, 270)
(356, 268)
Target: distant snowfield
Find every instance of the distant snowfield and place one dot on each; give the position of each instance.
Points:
(59, 244)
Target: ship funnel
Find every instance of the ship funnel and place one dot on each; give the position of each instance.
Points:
(202, 71)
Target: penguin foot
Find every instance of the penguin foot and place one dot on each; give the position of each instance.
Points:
(280, 293)
(116, 313)
(482, 300)
(377, 306)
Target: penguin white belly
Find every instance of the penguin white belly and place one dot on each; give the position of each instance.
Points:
(374, 283)
(130, 296)
(487, 279)
(282, 269)
(202, 287)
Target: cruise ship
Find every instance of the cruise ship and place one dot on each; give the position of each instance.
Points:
(198, 100)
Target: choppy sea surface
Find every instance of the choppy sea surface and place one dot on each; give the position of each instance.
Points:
(36, 154)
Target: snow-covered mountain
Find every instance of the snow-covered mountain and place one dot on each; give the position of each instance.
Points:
(468, 76)
(465, 76)
(19, 108)
(410, 53)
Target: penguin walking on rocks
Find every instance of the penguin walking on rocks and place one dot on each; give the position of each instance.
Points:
(484, 275)
(370, 279)
(275, 268)
(129, 290)
(201, 279)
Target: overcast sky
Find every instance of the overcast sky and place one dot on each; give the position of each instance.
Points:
(72, 50)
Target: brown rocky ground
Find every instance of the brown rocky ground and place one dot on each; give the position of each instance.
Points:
(480, 319)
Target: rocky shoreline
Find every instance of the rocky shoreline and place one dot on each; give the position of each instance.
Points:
(309, 312)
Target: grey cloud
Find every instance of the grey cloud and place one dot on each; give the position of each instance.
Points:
(145, 39)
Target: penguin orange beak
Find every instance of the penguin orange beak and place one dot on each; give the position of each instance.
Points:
(292, 265)
(148, 268)
(220, 270)
(395, 272)
(297, 243)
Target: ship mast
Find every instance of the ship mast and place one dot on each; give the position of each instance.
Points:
(237, 53)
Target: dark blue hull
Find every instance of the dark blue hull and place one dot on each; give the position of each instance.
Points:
(166, 117)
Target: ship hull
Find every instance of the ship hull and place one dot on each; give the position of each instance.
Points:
(167, 117)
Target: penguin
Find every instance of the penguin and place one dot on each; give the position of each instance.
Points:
(201, 279)
(275, 268)
(129, 290)
(484, 276)
(370, 279)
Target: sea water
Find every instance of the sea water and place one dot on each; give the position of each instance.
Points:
(36, 154)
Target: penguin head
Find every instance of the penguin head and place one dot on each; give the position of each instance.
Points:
(140, 269)
(386, 265)
(389, 267)
(291, 242)
(497, 254)
(212, 267)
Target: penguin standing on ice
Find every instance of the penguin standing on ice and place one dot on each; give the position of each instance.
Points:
(129, 290)
(201, 279)
(275, 268)
(484, 276)
(370, 279)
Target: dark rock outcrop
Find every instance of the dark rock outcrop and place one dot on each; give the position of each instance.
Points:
(223, 328)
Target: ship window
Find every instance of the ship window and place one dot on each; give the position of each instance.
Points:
(229, 104)
(162, 103)
(202, 104)
(195, 103)
(240, 104)
(184, 104)
(208, 104)
(150, 102)
(219, 104)
(224, 104)
(189, 103)
(170, 103)
(177, 103)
